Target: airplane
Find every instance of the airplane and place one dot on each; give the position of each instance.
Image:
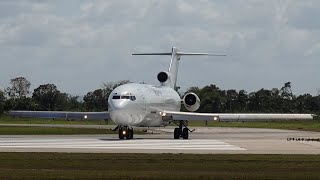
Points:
(144, 105)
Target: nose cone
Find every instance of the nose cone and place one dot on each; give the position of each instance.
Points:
(118, 111)
(120, 117)
(117, 104)
(122, 108)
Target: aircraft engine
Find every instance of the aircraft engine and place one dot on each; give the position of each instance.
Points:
(163, 77)
(191, 102)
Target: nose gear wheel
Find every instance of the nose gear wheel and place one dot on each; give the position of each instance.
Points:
(125, 132)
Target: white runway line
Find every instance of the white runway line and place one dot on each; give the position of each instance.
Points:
(136, 144)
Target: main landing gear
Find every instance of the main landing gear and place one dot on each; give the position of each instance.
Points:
(181, 131)
(125, 132)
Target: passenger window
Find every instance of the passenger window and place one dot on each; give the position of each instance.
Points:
(125, 97)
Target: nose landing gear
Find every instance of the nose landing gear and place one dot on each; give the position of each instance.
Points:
(181, 131)
(125, 132)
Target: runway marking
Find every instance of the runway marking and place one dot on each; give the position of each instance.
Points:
(136, 144)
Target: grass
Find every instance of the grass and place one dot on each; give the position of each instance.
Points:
(157, 166)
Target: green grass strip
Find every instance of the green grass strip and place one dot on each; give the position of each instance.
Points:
(157, 166)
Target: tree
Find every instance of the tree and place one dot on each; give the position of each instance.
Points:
(242, 100)
(287, 98)
(96, 100)
(19, 88)
(108, 87)
(232, 104)
(304, 103)
(62, 102)
(18, 92)
(48, 97)
(74, 104)
(286, 91)
(261, 101)
(212, 98)
(2, 102)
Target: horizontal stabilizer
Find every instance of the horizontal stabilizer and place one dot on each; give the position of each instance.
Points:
(151, 54)
(199, 54)
(178, 53)
(175, 58)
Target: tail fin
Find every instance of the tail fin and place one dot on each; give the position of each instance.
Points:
(175, 57)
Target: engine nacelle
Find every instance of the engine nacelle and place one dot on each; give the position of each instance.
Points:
(163, 77)
(191, 102)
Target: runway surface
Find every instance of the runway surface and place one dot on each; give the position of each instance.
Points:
(204, 140)
(139, 144)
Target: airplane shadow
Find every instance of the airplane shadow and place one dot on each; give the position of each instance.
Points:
(107, 139)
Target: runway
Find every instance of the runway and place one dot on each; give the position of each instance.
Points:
(203, 141)
(137, 144)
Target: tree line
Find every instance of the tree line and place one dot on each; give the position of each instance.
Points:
(47, 97)
(215, 100)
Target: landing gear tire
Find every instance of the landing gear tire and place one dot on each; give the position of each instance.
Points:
(185, 133)
(130, 134)
(125, 132)
(177, 133)
(182, 130)
(121, 134)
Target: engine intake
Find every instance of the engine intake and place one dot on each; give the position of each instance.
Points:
(163, 77)
(191, 102)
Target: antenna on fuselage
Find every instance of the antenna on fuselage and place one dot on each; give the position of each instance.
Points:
(171, 78)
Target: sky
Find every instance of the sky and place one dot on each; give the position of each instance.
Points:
(80, 44)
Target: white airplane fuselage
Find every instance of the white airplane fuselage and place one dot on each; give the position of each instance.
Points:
(139, 104)
(147, 105)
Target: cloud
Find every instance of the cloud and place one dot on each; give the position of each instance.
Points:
(80, 44)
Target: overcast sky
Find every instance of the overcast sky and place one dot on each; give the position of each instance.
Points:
(78, 45)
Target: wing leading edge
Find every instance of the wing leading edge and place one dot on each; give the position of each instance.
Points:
(174, 115)
(60, 114)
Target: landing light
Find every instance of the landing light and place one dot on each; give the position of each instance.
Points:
(124, 132)
(162, 113)
(85, 116)
(215, 118)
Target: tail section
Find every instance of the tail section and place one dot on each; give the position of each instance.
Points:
(173, 68)
(175, 58)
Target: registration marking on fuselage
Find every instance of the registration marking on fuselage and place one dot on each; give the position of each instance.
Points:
(135, 144)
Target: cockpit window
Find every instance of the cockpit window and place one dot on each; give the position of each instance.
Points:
(132, 98)
(116, 97)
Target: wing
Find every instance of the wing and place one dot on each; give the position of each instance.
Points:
(60, 114)
(175, 115)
